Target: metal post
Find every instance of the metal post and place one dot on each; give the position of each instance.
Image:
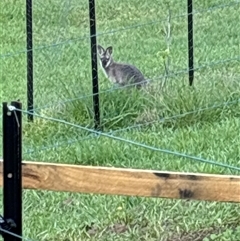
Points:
(12, 168)
(29, 58)
(95, 90)
(190, 42)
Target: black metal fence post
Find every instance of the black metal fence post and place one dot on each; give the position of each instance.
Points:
(190, 42)
(29, 58)
(92, 19)
(12, 168)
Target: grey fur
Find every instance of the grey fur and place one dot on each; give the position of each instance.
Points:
(122, 74)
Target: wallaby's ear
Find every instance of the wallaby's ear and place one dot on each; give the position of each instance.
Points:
(100, 49)
(109, 50)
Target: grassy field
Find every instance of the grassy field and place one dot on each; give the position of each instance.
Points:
(62, 71)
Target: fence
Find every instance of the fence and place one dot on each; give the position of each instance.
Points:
(93, 49)
(45, 55)
(41, 57)
(101, 180)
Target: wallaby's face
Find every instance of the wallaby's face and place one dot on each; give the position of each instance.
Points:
(105, 55)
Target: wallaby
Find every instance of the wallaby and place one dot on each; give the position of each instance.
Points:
(120, 73)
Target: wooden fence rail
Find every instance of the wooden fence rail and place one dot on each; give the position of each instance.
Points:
(131, 182)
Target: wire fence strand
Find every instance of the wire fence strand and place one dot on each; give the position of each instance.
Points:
(15, 235)
(68, 41)
(175, 153)
(111, 90)
(162, 120)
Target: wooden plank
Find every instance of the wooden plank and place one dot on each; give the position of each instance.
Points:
(133, 182)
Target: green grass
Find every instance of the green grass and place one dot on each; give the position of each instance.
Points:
(62, 70)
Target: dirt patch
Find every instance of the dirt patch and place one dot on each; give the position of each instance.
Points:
(199, 235)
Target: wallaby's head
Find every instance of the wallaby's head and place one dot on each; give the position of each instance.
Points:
(105, 55)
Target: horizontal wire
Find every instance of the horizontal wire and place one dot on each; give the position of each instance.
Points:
(14, 235)
(130, 141)
(162, 120)
(80, 38)
(72, 141)
(116, 30)
(173, 74)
